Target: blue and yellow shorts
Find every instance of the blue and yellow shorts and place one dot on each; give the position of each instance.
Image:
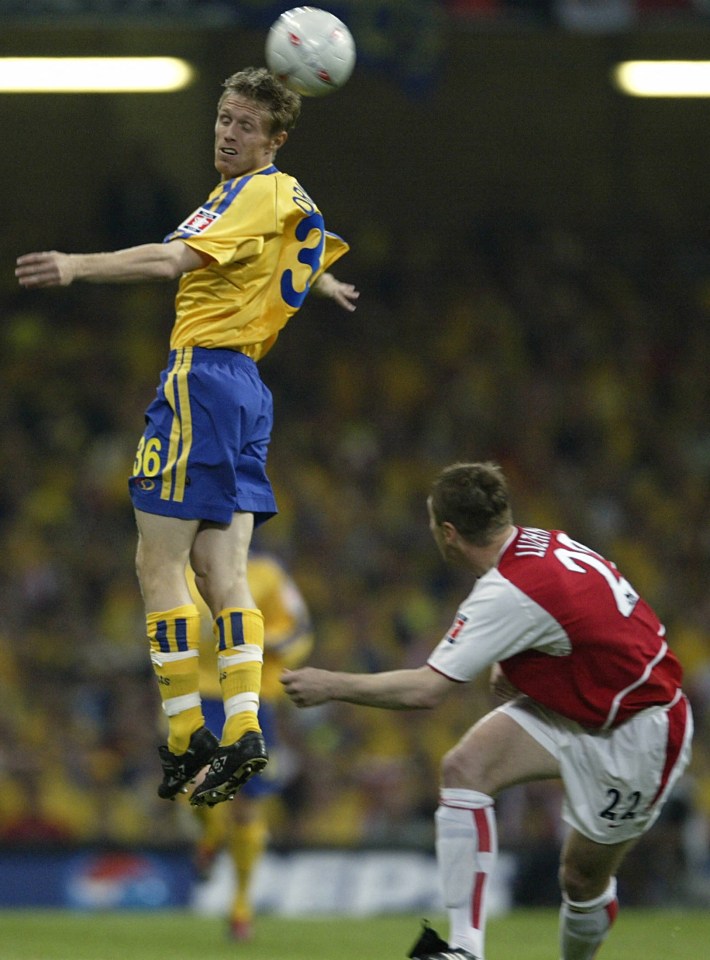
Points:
(202, 455)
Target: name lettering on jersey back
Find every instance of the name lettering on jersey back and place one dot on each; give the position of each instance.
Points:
(532, 542)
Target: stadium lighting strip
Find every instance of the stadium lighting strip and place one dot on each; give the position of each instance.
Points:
(663, 78)
(94, 74)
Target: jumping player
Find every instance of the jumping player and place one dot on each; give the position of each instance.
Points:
(246, 260)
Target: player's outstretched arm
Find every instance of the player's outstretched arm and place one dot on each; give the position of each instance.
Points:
(149, 261)
(344, 294)
(418, 689)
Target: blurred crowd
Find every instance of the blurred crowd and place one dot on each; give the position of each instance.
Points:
(577, 357)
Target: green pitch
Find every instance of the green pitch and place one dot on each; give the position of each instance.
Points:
(522, 935)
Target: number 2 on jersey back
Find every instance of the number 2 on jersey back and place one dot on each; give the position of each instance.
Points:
(578, 558)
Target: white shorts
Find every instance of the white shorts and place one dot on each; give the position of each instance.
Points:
(615, 781)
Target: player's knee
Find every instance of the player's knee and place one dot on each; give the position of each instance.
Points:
(570, 882)
(581, 885)
(458, 769)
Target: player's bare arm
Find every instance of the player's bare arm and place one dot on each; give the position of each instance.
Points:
(419, 689)
(344, 294)
(149, 261)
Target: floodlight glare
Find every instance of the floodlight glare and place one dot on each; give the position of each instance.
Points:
(94, 74)
(663, 78)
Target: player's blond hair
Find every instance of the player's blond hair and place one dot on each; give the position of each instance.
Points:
(473, 497)
(258, 84)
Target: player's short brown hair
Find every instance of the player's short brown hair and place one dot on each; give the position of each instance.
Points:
(473, 497)
(258, 84)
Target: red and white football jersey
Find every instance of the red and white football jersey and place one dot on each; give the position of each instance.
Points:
(567, 629)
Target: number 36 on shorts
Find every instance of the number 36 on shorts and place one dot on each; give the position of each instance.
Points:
(147, 462)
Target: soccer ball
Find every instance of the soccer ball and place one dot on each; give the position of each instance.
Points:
(311, 51)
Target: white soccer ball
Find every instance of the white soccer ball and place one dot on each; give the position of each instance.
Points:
(311, 51)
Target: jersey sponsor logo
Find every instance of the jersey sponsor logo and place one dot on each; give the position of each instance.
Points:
(456, 628)
(198, 221)
(145, 484)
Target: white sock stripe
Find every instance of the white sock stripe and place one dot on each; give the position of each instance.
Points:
(464, 799)
(179, 704)
(241, 703)
(466, 847)
(158, 659)
(247, 653)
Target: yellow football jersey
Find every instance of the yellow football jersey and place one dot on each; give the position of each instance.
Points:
(288, 634)
(268, 245)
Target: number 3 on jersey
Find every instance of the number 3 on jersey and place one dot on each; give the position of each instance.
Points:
(578, 558)
(309, 237)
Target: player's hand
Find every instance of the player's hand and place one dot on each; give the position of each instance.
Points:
(48, 269)
(306, 687)
(344, 294)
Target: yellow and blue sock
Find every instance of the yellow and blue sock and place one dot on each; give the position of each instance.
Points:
(239, 633)
(174, 637)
